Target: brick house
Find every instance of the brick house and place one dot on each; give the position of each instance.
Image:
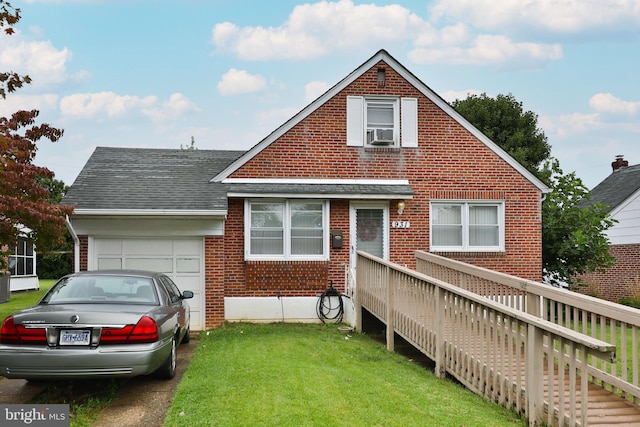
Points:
(378, 163)
(620, 194)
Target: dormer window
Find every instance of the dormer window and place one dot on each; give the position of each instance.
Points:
(382, 121)
(382, 117)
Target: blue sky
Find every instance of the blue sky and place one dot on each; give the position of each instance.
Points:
(155, 73)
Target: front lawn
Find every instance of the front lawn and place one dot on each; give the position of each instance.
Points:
(311, 375)
(19, 300)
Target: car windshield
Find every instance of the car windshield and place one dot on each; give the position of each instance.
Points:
(102, 289)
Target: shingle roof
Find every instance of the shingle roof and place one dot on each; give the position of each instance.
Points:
(617, 187)
(141, 178)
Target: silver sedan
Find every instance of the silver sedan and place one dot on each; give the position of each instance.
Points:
(96, 324)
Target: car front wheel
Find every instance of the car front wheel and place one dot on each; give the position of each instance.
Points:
(168, 368)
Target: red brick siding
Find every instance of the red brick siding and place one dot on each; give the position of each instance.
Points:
(617, 282)
(291, 276)
(450, 163)
(84, 253)
(214, 281)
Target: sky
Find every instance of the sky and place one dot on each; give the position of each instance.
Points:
(223, 74)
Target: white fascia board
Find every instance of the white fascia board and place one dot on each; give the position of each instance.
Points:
(321, 196)
(318, 181)
(149, 212)
(626, 202)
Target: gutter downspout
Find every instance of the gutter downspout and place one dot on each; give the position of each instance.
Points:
(76, 246)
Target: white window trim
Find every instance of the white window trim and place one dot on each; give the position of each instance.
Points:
(15, 257)
(286, 256)
(395, 103)
(465, 226)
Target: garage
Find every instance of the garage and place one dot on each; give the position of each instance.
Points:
(180, 259)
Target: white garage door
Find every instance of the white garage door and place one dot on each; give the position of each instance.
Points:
(180, 259)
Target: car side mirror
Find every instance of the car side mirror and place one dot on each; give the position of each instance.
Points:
(187, 295)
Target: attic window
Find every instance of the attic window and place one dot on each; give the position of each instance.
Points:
(382, 121)
(387, 121)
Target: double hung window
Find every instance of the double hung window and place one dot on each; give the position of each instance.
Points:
(467, 226)
(287, 229)
(382, 121)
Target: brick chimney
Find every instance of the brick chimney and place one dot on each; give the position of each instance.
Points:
(619, 163)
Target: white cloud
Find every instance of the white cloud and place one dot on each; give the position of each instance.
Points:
(109, 103)
(312, 30)
(569, 124)
(40, 60)
(313, 90)
(318, 29)
(271, 119)
(557, 16)
(485, 49)
(452, 95)
(177, 105)
(607, 103)
(14, 102)
(236, 82)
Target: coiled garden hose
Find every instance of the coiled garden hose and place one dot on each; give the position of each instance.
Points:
(327, 309)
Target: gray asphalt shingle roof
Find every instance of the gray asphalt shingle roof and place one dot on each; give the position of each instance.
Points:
(142, 178)
(617, 187)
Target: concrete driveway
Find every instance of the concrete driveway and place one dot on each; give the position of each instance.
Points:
(142, 401)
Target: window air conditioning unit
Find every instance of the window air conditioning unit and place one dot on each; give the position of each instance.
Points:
(380, 136)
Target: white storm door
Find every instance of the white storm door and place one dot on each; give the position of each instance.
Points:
(369, 229)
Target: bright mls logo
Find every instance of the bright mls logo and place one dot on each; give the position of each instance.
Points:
(34, 415)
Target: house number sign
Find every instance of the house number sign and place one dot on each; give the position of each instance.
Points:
(400, 224)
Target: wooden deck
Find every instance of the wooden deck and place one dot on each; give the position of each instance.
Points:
(540, 369)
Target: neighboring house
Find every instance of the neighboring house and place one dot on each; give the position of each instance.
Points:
(22, 267)
(378, 163)
(620, 193)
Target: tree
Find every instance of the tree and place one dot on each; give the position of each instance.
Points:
(57, 261)
(573, 239)
(25, 210)
(503, 120)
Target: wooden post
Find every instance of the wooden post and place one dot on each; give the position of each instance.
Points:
(535, 375)
(357, 302)
(533, 302)
(440, 368)
(390, 309)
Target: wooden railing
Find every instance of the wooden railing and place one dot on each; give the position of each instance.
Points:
(516, 359)
(607, 321)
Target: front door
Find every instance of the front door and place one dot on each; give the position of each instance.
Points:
(369, 229)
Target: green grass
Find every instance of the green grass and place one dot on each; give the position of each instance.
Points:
(309, 375)
(19, 300)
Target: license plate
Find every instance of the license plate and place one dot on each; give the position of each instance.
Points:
(75, 337)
